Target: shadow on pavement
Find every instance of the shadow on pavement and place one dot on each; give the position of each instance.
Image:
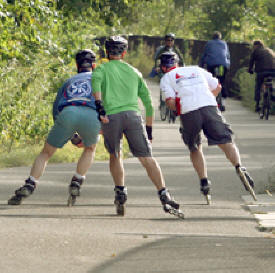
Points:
(196, 254)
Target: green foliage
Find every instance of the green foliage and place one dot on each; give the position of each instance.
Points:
(245, 83)
(39, 39)
(238, 20)
(24, 28)
(26, 103)
(136, 58)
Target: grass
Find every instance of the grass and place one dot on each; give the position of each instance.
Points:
(24, 156)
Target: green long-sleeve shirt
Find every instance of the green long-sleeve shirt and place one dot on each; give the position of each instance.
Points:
(121, 85)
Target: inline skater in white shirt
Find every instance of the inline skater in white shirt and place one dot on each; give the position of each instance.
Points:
(191, 91)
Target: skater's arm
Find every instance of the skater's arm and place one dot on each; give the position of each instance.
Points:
(217, 90)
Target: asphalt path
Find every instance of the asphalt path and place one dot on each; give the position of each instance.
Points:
(44, 235)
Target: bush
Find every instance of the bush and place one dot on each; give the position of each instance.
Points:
(245, 83)
(138, 58)
(27, 93)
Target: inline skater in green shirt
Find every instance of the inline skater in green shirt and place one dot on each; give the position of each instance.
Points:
(117, 86)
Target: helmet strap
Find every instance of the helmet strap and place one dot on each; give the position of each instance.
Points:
(171, 68)
(168, 69)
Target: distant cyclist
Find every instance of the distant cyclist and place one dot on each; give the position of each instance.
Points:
(169, 40)
(216, 57)
(262, 59)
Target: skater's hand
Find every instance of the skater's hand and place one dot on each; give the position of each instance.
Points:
(77, 141)
(104, 119)
(171, 104)
(217, 90)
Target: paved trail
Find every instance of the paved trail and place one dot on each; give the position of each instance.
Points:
(43, 235)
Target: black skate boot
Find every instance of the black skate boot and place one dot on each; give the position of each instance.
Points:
(74, 190)
(120, 200)
(205, 189)
(22, 193)
(169, 204)
(246, 180)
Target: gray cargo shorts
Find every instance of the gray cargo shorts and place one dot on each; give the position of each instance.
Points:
(130, 124)
(209, 120)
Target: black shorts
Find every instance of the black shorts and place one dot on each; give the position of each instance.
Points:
(209, 120)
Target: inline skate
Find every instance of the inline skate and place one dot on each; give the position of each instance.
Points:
(74, 190)
(23, 192)
(120, 200)
(246, 180)
(205, 190)
(169, 204)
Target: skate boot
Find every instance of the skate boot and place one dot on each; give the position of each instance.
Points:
(120, 200)
(74, 190)
(246, 180)
(205, 190)
(22, 193)
(169, 204)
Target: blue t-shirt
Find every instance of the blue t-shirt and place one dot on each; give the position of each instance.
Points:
(77, 90)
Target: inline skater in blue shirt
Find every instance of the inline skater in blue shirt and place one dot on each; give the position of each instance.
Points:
(74, 110)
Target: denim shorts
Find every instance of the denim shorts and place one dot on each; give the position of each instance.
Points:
(80, 119)
(130, 124)
(209, 120)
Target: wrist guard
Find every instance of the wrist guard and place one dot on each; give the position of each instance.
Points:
(149, 132)
(99, 108)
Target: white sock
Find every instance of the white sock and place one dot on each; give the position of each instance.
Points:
(33, 179)
(79, 176)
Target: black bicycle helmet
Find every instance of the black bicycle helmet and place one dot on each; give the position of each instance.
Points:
(168, 59)
(85, 58)
(115, 45)
(170, 35)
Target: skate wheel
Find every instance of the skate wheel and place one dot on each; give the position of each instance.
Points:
(120, 209)
(15, 200)
(71, 200)
(247, 186)
(176, 212)
(180, 215)
(208, 199)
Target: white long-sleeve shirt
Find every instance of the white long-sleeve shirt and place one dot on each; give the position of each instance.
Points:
(192, 85)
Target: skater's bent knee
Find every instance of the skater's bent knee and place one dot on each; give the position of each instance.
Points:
(90, 148)
(48, 150)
